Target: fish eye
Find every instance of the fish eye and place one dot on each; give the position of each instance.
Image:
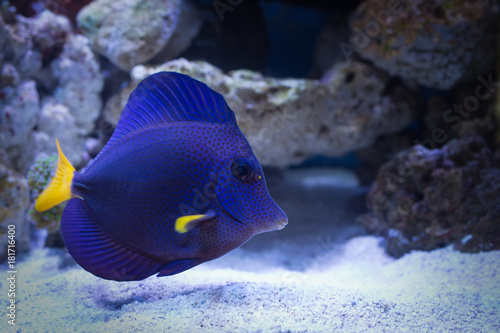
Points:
(242, 169)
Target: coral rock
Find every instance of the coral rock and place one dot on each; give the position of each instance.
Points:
(14, 202)
(129, 32)
(188, 26)
(42, 56)
(435, 43)
(67, 8)
(18, 116)
(79, 81)
(49, 33)
(425, 199)
(36, 42)
(56, 121)
(289, 120)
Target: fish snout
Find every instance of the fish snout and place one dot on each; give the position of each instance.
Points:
(280, 222)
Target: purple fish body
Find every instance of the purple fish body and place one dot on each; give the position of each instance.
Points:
(177, 152)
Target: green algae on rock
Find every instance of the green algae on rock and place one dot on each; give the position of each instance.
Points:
(39, 176)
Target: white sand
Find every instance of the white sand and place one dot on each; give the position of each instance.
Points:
(309, 277)
(354, 287)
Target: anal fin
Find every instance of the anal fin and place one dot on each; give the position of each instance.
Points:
(97, 252)
(178, 266)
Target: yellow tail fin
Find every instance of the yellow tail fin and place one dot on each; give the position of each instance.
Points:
(59, 188)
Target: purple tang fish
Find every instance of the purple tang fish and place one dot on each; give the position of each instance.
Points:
(176, 185)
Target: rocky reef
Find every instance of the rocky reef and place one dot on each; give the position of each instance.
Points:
(309, 81)
(369, 117)
(131, 32)
(51, 84)
(426, 199)
(289, 120)
(14, 202)
(434, 43)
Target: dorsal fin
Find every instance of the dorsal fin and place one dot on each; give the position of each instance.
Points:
(172, 97)
(168, 97)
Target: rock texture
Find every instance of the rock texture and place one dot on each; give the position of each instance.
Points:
(426, 199)
(19, 108)
(79, 81)
(68, 8)
(131, 32)
(51, 85)
(188, 26)
(14, 203)
(435, 43)
(56, 121)
(32, 44)
(289, 120)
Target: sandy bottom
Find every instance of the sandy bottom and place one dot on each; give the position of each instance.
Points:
(350, 288)
(319, 274)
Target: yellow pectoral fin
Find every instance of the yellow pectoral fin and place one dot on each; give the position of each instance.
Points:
(59, 188)
(185, 223)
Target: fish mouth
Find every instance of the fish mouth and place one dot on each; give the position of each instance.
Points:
(280, 222)
(237, 215)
